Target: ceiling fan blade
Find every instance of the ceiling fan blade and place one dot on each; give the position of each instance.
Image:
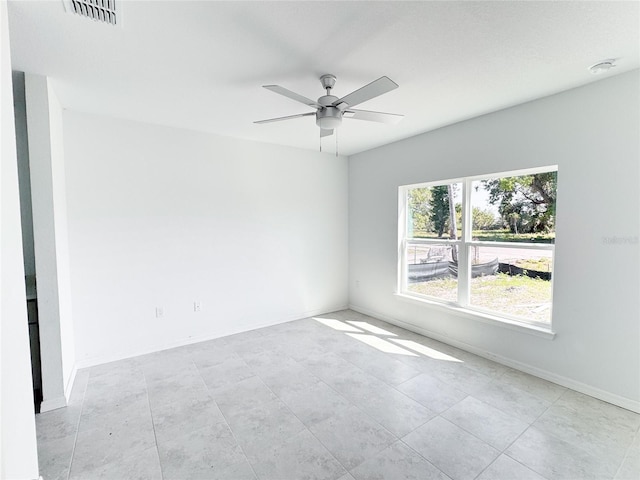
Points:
(285, 118)
(292, 95)
(389, 118)
(372, 90)
(325, 132)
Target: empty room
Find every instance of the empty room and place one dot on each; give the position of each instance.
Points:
(334, 240)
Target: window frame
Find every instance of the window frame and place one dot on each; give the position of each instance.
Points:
(465, 243)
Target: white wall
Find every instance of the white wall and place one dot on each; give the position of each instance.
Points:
(163, 217)
(592, 134)
(46, 165)
(58, 178)
(18, 453)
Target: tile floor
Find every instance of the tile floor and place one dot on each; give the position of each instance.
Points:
(339, 396)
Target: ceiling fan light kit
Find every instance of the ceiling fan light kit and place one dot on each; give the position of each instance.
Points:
(330, 110)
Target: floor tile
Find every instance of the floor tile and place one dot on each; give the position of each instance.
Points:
(352, 437)
(177, 387)
(303, 349)
(144, 465)
(554, 458)
(457, 453)
(395, 411)
(54, 456)
(225, 374)
(514, 401)
(99, 446)
(58, 423)
(315, 403)
(592, 407)
(496, 427)
(200, 454)
(114, 387)
(243, 396)
(535, 386)
(212, 355)
(267, 360)
(288, 378)
(459, 375)
(355, 384)
(482, 365)
(431, 392)
(263, 425)
(243, 337)
(630, 467)
(119, 368)
(506, 468)
(301, 456)
(237, 471)
(347, 476)
(327, 366)
(249, 344)
(398, 462)
(304, 399)
(112, 413)
(596, 434)
(173, 419)
(166, 363)
(380, 365)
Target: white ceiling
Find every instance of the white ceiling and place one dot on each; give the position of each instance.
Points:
(200, 65)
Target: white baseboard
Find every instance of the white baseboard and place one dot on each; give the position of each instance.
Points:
(590, 390)
(102, 359)
(69, 386)
(53, 404)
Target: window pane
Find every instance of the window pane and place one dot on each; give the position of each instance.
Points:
(435, 212)
(431, 271)
(513, 281)
(515, 209)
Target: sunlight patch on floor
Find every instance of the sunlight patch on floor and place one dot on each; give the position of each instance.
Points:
(337, 325)
(371, 328)
(381, 344)
(429, 352)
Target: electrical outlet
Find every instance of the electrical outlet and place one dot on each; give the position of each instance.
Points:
(159, 312)
(197, 306)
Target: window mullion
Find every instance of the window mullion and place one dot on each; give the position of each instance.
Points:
(403, 266)
(463, 249)
(403, 227)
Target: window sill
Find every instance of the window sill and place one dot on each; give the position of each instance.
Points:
(535, 330)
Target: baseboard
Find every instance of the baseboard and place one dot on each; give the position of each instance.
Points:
(53, 404)
(69, 386)
(590, 390)
(102, 359)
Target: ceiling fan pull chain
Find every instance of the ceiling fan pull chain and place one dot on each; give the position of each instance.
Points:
(320, 141)
(335, 132)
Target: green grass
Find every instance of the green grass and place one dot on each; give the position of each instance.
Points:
(507, 236)
(539, 264)
(442, 288)
(495, 236)
(518, 295)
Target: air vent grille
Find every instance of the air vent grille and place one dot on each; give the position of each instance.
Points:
(99, 10)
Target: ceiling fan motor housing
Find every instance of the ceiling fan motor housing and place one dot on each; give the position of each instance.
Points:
(328, 117)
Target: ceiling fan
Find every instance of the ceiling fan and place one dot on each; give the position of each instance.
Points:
(330, 110)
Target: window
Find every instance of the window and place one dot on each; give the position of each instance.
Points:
(484, 243)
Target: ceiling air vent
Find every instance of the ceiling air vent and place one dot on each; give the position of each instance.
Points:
(103, 11)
